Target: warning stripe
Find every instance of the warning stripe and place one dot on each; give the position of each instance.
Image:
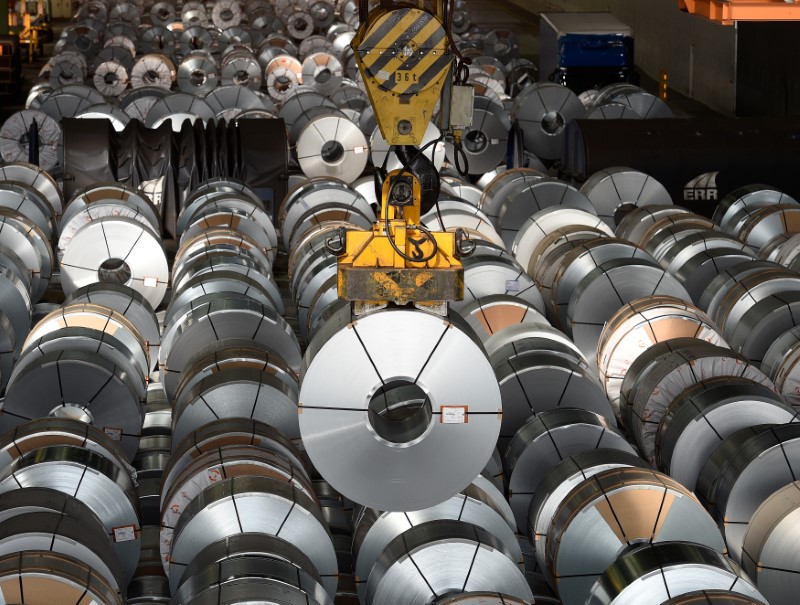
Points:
(387, 65)
(376, 37)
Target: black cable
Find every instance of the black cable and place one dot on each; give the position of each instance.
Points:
(424, 230)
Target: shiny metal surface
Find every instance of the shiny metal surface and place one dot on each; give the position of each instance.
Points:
(253, 505)
(613, 509)
(178, 108)
(639, 325)
(660, 374)
(542, 111)
(28, 202)
(543, 442)
(358, 457)
(38, 575)
(763, 323)
(374, 530)
(197, 73)
(547, 192)
(220, 317)
(738, 204)
(485, 276)
(559, 483)
(605, 289)
(665, 573)
(443, 557)
(543, 223)
(30, 247)
(764, 224)
(379, 149)
(16, 305)
(492, 314)
(37, 178)
(237, 393)
(92, 479)
(619, 188)
(763, 464)
(705, 414)
(123, 194)
(334, 147)
(117, 242)
(635, 224)
(769, 553)
(128, 302)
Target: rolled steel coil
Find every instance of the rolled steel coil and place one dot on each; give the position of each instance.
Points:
(543, 111)
(592, 517)
(546, 440)
(614, 191)
(704, 414)
(390, 402)
(674, 573)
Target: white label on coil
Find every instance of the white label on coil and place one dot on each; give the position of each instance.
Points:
(125, 533)
(512, 285)
(495, 141)
(358, 150)
(113, 433)
(454, 414)
(150, 282)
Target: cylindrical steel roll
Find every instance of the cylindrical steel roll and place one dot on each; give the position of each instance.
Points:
(237, 393)
(332, 146)
(663, 372)
(718, 288)
(635, 224)
(770, 555)
(615, 190)
(703, 266)
(240, 68)
(153, 70)
(493, 314)
(36, 576)
(543, 442)
(639, 325)
(197, 73)
(250, 557)
(106, 489)
(374, 530)
(322, 72)
(560, 482)
(80, 385)
(534, 230)
(123, 194)
(542, 111)
(763, 323)
(538, 380)
(703, 415)
(98, 209)
(781, 365)
(735, 207)
(37, 178)
(505, 184)
(220, 317)
(673, 574)
(28, 202)
(608, 287)
(282, 75)
(31, 248)
(178, 108)
(14, 138)
(441, 558)
(132, 305)
(594, 525)
(378, 449)
(253, 505)
(763, 464)
(763, 224)
(110, 78)
(485, 276)
(544, 193)
(118, 250)
(531, 336)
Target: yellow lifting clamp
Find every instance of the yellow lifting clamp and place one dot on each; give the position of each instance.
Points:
(406, 58)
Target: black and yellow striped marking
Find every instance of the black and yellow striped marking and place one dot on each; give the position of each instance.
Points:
(405, 51)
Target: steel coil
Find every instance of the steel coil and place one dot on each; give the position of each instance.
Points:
(546, 440)
(659, 375)
(769, 555)
(593, 517)
(706, 413)
(673, 574)
(543, 111)
(441, 558)
(615, 190)
(639, 325)
(14, 142)
(397, 404)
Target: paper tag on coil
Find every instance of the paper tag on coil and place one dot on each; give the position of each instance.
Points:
(358, 150)
(455, 414)
(126, 533)
(113, 433)
(512, 285)
(215, 474)
(150, 282)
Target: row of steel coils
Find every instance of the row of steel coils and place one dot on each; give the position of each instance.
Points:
(381, 423)
(235, 72)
